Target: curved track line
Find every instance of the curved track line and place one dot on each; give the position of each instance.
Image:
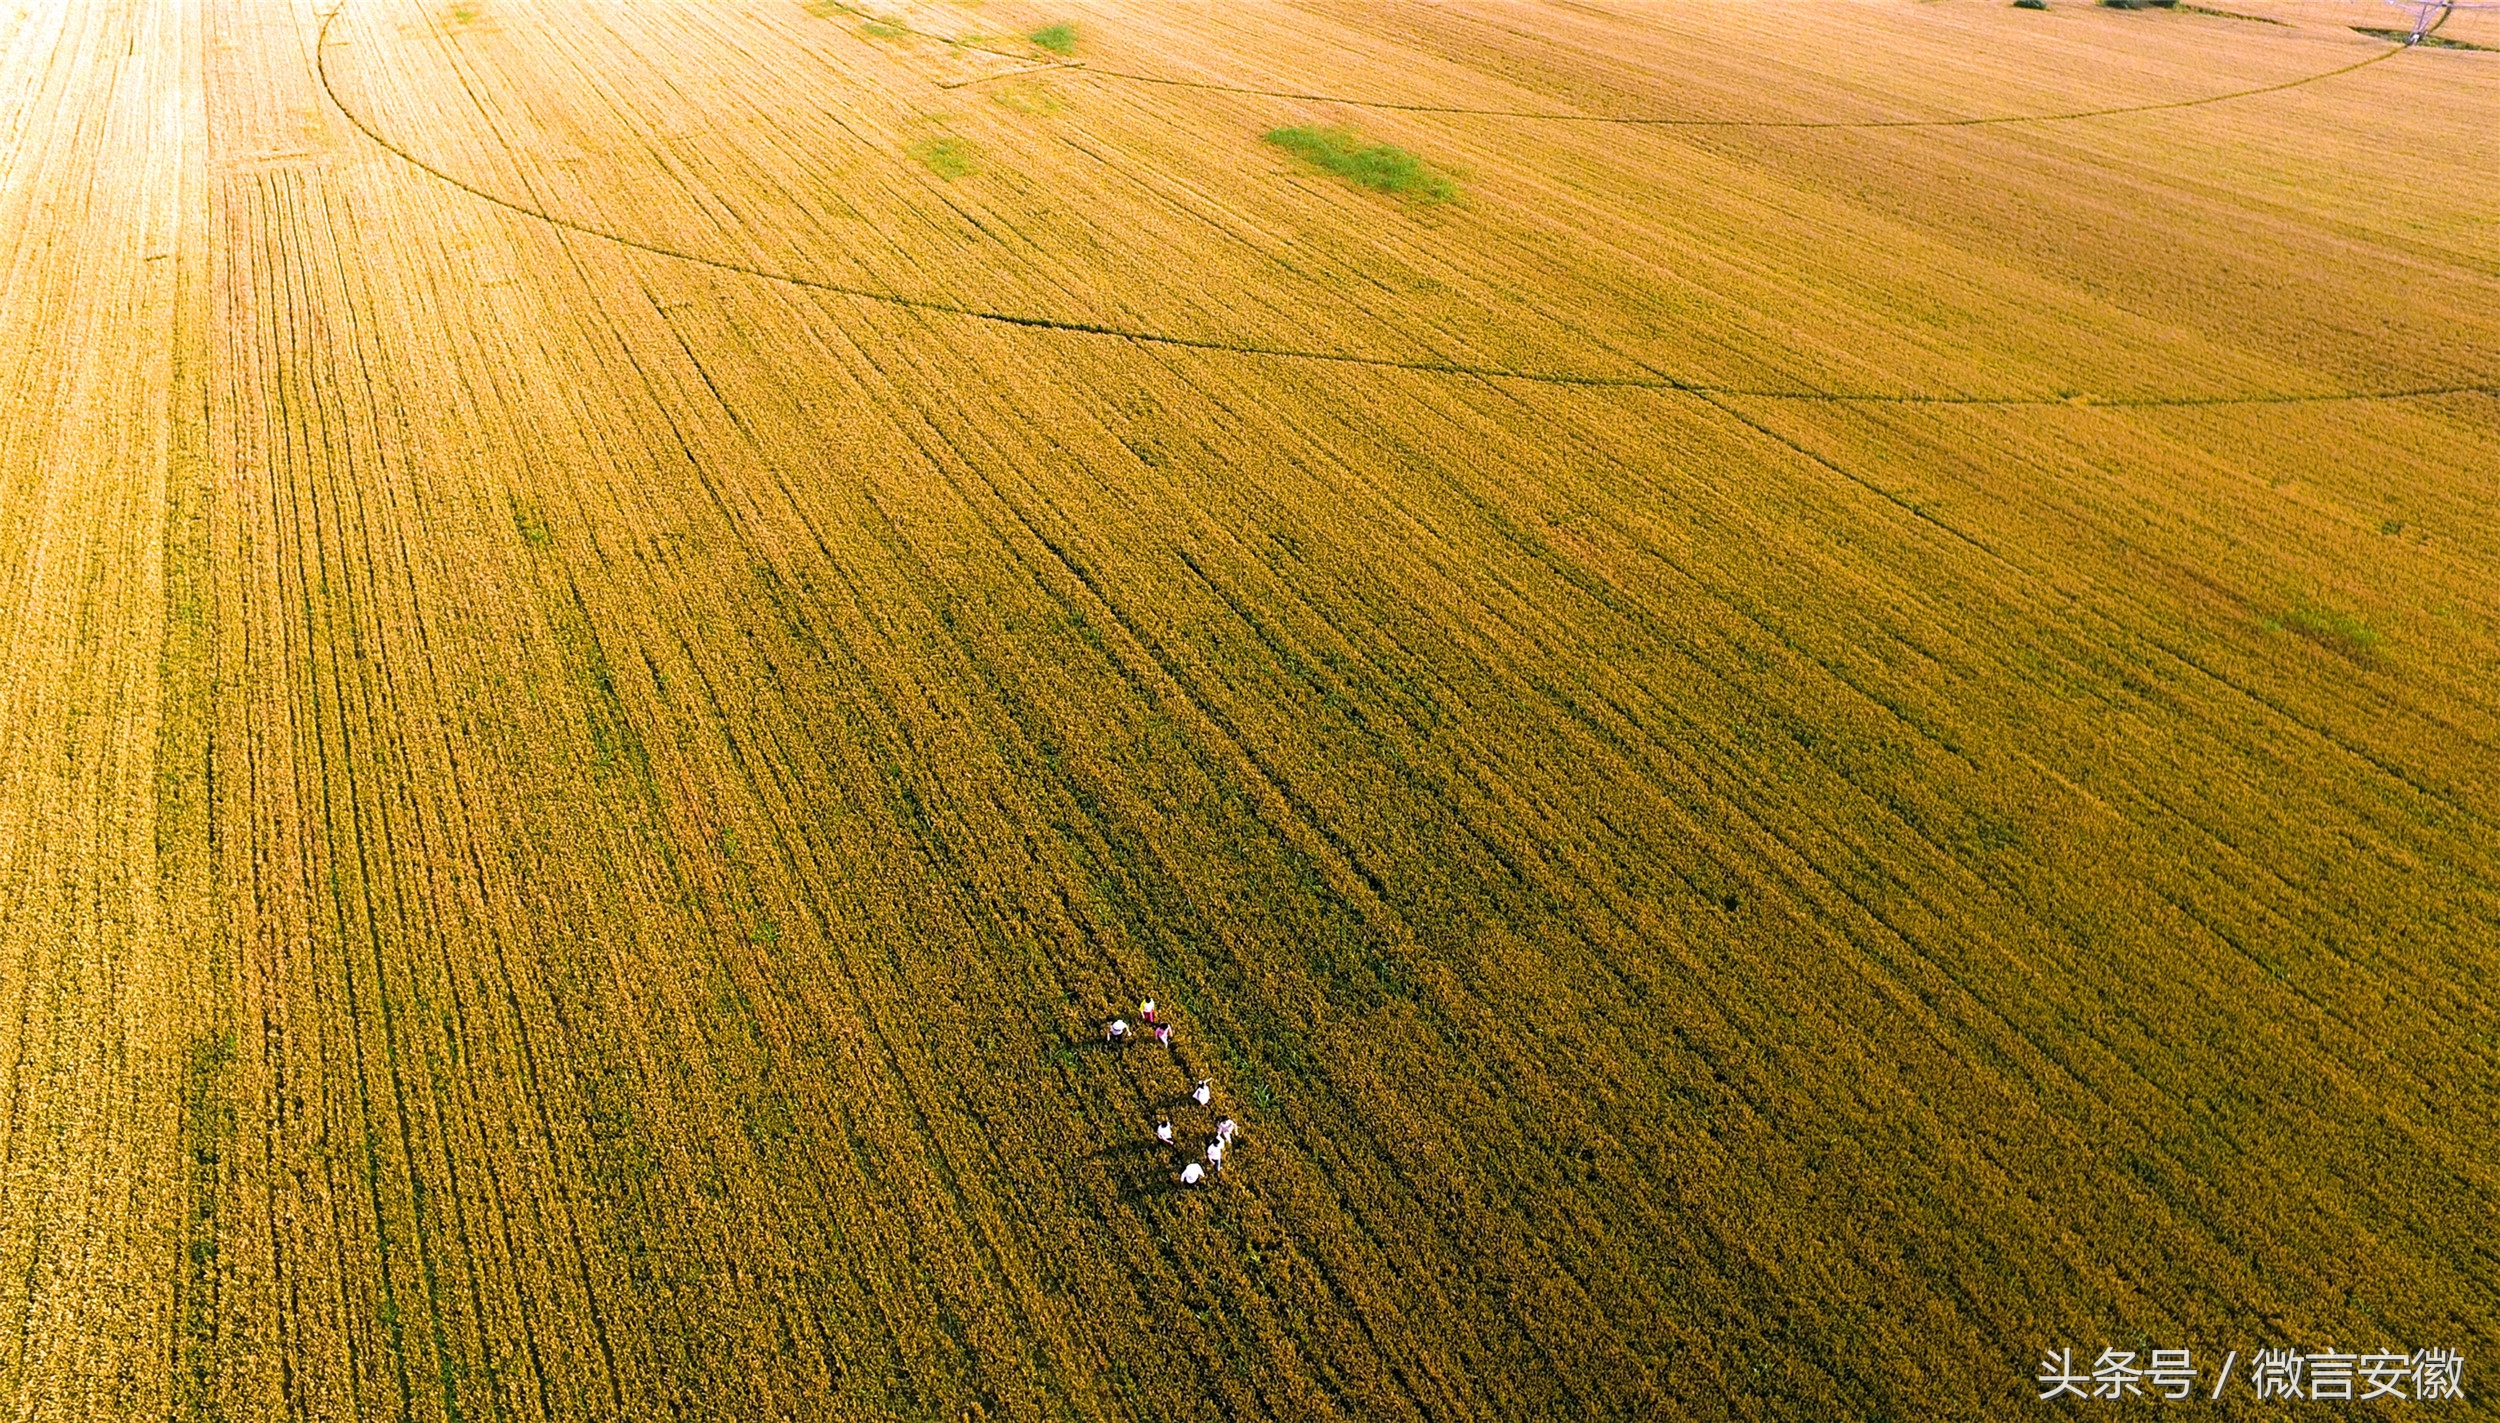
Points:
(1646, 121)
(1079, 67)
(1650, 379)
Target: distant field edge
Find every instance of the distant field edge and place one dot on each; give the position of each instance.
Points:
(1644, 378)
(1082, 69)
(1671, 121)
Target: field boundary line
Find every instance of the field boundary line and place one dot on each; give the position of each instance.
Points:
(1649, 379)
(1079, 66)
(1664, 121)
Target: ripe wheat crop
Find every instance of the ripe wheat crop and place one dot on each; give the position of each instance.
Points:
(1836, 732)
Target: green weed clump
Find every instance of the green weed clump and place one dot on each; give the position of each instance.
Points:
(950, 157)
(1031, 99)
(529, 523)
(882, 29)
(2341, 632)
(1379, 166)
(1058, 39)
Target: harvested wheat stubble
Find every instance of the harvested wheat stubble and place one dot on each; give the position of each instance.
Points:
(570, 814)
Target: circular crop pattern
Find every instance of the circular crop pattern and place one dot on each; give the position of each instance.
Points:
(1645, 377)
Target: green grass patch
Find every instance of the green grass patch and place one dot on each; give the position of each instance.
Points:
(530, 524)
(1026, 98)
(1058, 39)
(2337, 631)
(950, 157)
(464, 14)
(883, 29)
(1380, 167)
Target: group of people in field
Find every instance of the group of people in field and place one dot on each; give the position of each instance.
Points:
(1119, 1031)
(1193, 1172)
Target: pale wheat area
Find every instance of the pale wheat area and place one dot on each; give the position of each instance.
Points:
(1794, 699)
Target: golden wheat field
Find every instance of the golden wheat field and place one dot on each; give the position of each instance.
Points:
(1795, 700)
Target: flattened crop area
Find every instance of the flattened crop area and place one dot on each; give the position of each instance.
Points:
(1794, 700)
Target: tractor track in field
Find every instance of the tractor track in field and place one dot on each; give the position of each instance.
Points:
(1648, 379)
(1081, 69)
(1670, 121)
